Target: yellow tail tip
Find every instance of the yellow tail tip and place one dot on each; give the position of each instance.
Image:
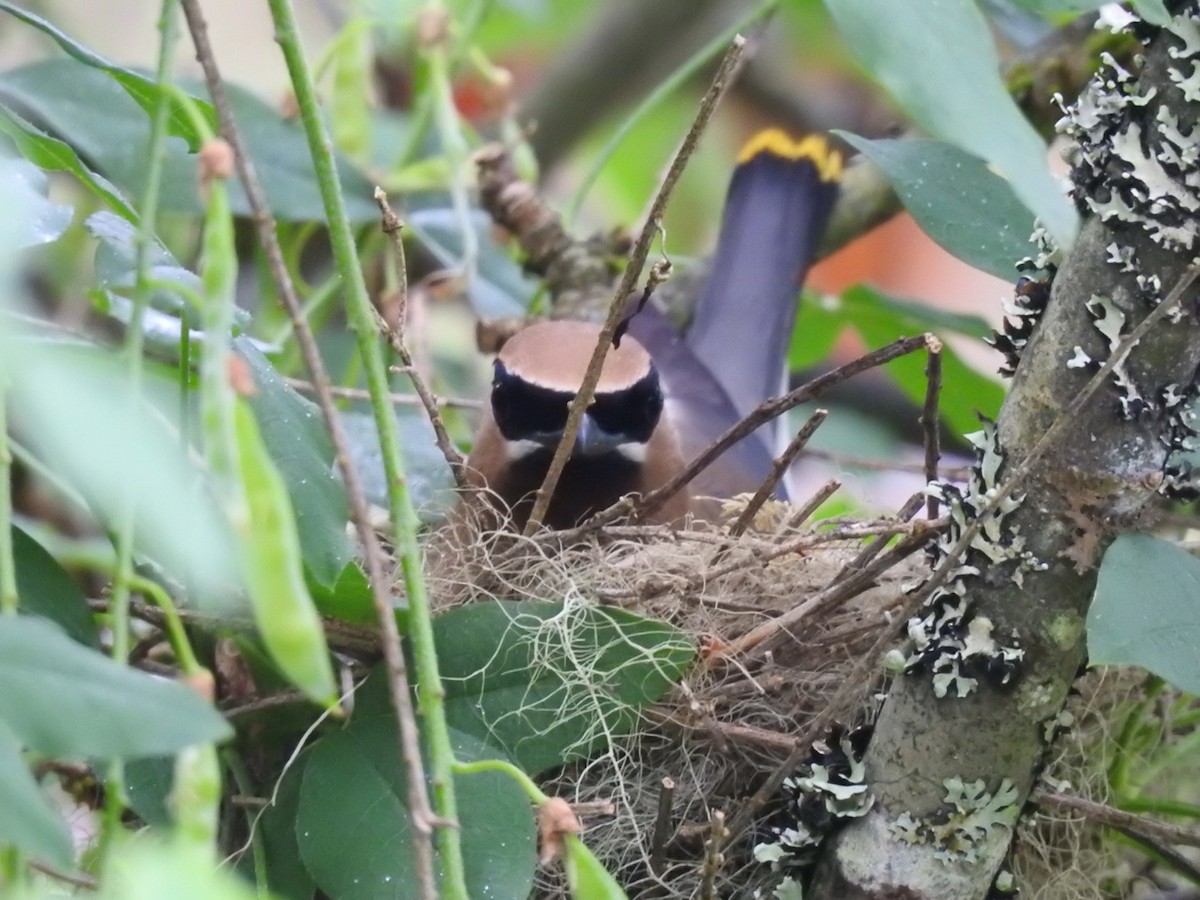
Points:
(815, 147)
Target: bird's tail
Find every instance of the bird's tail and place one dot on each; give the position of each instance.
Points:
(776, 209)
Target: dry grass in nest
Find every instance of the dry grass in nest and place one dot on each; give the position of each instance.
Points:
(732, 720)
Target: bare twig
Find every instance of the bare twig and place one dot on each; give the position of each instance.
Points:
(759, 555)
(346, 393)
(80, 881)
(392, 226)
(374, 558)
(1164, 832)
(767, 411)
(850, 461)
(931, 426)
(714, 856)
(663, 825)
(778, 470)
(836, 592)
(633, 271)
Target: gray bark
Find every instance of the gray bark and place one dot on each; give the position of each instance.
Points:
(1086, 490)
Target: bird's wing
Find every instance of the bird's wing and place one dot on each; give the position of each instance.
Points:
(700, 410)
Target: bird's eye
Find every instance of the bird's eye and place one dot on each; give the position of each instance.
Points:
(652, 408)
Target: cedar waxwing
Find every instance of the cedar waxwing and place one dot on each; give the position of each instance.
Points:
(623, 446)
(665, 396)
(733, 356)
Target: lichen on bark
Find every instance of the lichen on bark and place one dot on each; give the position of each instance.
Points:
(1135, 175)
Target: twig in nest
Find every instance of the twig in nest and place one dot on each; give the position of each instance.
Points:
(374, 559)
(836, 592)
(931, 425)
(778, 470)
(663, 825)
(856, 681)
(714, 856)
(346, 393)
(392, 226)
(871, 550)
(762, 555)
(633, 271)
(812, 504)
(765, 412)
(591, 808)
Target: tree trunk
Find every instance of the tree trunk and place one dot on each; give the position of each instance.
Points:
(1008, 630)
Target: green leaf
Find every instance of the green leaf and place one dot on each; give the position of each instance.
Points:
(429, 480)
(965, 394)
(936, 57)
(550, 683)
(41, 221)
(77, 414)
(350, 599)
(26, 820)
(150, 870)
(353, 829)
(1146, 610)
(55, 155)
(957, 200)
(144, 91)
(270, 550)
(45, 589)
(299, 444)
(499, 289)
(286, 873)
(177, 288)
(818, 326)
(148, 783)
(586, 875)
(87, 110)
(100, 709)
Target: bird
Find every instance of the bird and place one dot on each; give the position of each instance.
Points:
(624, 445)
(664, 393)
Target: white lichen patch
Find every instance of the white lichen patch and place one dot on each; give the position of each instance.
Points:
(1079, 359)
(969, 815)
(949, 641)
(1109, 320)
(827, 791)
(1136, 165)
(1056, 725)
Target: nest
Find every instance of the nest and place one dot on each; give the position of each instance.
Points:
(737, 714)
(652, 801)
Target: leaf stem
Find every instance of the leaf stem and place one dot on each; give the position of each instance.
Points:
(119, 604)
(536, 797)
(8, 564)
(404, 518)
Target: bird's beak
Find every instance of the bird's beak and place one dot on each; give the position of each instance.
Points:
(592, 440)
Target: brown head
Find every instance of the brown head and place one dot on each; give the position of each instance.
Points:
(623, 446)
